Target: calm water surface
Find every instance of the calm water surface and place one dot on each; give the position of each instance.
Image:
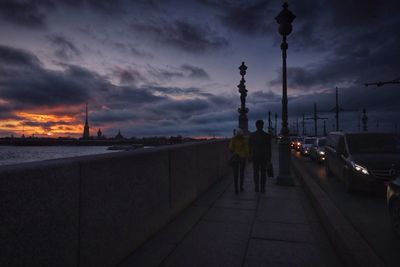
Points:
(18, 154)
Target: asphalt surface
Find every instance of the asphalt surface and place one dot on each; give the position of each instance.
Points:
(366, 212)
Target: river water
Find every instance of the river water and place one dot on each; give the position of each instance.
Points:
(18, 154)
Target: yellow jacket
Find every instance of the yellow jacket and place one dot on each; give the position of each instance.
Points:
(239, 145)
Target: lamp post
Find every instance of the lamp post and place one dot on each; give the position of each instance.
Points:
(269, 123)
(365, 120)
(284, 19)
(243, 120)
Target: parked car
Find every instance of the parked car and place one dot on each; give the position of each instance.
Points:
(317, 151)
(362, 160)
(306, 145)
(393, 203)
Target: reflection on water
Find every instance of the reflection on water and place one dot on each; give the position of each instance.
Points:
(18, 154)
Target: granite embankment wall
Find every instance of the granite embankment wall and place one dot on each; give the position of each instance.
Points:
(95, 210)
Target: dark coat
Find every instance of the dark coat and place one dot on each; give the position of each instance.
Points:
(260, 146)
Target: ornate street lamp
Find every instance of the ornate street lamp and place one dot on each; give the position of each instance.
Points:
(284, 19)
(243, 120)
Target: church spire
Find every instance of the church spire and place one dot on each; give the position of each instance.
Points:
(86, 133)
(86, 113)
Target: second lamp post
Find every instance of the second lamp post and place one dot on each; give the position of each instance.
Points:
(284, 19)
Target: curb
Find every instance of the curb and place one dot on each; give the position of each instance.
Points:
(348, 242)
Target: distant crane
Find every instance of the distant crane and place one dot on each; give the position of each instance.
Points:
(315, 118)
(379, 84)
(304, 124)
(337, 109)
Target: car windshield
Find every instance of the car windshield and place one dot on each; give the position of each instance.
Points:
(373, 143)
(309, 141)
(321, 142)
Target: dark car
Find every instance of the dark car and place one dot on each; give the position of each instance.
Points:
(317, 151)
(293, 142)
(393, 202)
(298, 143)
(363, 160)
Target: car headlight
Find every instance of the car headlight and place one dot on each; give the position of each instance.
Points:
(322, 152)
(360, 168)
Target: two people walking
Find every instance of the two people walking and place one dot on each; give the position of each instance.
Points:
(257, 149)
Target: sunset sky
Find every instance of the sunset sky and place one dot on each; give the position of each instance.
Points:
(170, 67)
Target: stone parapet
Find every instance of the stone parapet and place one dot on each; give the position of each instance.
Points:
(95, 210)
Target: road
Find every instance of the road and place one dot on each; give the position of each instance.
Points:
(366, 212)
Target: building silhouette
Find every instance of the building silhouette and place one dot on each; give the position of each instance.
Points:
(99, 134)
(86, 132)
(119, 136)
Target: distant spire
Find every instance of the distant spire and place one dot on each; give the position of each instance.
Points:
(119, 135)
(86, 132)
(86, 122)
(99, 134)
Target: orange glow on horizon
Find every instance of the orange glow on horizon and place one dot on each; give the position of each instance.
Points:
(37, 124)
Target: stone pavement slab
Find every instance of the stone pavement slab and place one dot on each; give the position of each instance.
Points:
(286, 253)
(212, 244)
(278, 228)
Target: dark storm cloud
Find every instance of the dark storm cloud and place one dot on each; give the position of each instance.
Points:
(133, 96)
(261, 96)
(177, 91)
(358, 13)
(45, 125)
(65, 49)
(16, 57)
(220, 101)
(140, 53)
(165, 74)
(305, 79)
(248, 18)
(195, 72)
(127, 75)
(106, 7)
(32, 13)
(257, 18)
(113, 116)
(44, 88)
(185, 107)
(6, 112)
(359, 51)
(351, 63)
(131, 49)
(26, 13)
(182, 35)
(216, 117)
(37, 86)
(184, 71)
(40, 87)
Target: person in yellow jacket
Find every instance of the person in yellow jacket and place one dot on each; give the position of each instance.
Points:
(239, 148)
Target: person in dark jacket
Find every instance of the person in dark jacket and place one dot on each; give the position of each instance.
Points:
(260, 152)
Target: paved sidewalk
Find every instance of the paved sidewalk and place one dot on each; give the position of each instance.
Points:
(278, 228)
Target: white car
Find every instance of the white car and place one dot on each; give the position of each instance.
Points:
(306, 145)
